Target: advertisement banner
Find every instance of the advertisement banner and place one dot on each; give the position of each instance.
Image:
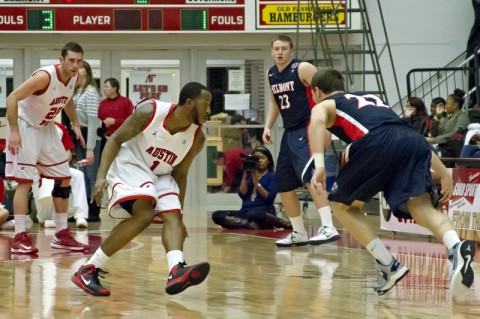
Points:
(463, 209)
(290, 14)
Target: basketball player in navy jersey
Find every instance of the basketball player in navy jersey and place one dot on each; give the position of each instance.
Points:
(34, 145)
(290, 96)
(384, 154)
(147, 160)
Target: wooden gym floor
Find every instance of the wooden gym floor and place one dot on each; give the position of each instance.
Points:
(249, 277)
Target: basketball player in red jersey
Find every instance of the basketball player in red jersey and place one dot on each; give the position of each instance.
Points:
(147, 160)
(33, 143)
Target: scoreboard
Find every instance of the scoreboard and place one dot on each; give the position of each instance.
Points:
(121, 15)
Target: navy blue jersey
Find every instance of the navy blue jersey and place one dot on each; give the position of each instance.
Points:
(293, 98)
(356, 115)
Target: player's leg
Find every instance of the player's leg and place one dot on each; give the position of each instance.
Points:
(304, 166)
(298, 237)
(355, 221)
(461, 253)
(21, 168)
(287, 182)
(63, 238)
(86, 277)
(327, 232)
(181, 276)
(174, 233)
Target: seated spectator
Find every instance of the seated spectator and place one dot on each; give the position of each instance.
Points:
(416, 114)
(232, 165)
(471, 147)
(438, 116)
(258, 190)
(78, 204)
(457, 122)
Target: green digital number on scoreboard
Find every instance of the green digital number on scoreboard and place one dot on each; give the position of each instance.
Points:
(194, 20)
(40, 20)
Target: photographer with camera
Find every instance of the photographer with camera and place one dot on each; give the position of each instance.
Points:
(257, 190)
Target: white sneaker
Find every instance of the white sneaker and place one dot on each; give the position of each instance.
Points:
(81, 222)
(8, 225)
(462, 256)
(324, 235)
(50, 223)
(293, 239)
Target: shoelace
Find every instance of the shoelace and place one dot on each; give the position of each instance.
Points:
(323, 230)
(68, 239)
(98, 272)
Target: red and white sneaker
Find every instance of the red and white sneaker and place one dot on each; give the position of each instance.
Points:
(22, 245)
(64, 240)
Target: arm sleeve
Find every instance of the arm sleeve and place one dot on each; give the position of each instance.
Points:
(93, 102)
(271, 187)
(461, 121)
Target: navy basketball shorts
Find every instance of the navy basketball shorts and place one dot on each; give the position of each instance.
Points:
(294, 164)
(394, 159)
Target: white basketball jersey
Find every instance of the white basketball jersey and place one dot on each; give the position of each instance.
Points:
(38, 110)
(155, 146)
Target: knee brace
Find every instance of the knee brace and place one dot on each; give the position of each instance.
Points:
(61, 192)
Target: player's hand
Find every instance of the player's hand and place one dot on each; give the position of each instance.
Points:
(97, 193)
(447, 188)
(319, 180)
(266, 137)
(14, 142)
(78, 134)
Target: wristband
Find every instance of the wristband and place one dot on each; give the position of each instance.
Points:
(259, 185)
(319, 159)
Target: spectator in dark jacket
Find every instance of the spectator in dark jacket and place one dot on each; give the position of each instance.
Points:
(258, 190)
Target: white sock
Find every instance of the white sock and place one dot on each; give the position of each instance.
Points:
(61, 221)
(450, 238)
(297, 224)
(380, 252)
(98, 258)
(326, 216)
(174, 257)
(19, 223)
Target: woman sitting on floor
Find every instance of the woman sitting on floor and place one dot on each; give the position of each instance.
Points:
(257, 190)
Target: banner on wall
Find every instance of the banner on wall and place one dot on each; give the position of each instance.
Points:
(463, 209)
(147, 85)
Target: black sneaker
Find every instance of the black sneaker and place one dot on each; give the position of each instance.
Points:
(182, 276)
(86, 278)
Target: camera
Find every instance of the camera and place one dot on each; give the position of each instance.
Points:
(250, 162)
